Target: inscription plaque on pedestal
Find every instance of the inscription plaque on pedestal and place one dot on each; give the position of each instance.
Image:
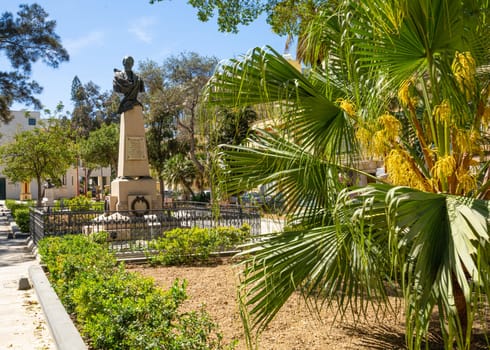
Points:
(135, 148)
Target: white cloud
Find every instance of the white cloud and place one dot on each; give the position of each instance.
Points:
(91, 39)
(141, 28)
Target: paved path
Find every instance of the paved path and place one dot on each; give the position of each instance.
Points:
(23, 324)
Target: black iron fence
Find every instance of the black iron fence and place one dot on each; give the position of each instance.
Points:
(132, 230)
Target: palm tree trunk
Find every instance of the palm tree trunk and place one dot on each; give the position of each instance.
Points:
(460, 302)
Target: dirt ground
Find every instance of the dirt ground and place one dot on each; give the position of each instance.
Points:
(294, 327)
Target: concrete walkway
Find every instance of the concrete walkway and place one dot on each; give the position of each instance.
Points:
(23, 323)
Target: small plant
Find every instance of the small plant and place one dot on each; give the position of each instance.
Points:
(21, 217)
(20, 213)
(78, 203)
(184, 245)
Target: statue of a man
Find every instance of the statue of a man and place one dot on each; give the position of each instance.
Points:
(128, 83)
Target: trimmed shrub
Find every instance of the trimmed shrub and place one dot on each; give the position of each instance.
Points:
(21, 217)
(190, 245)
(79, 203)
(20, 213)
(116, 309)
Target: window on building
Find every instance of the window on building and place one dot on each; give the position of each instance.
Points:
(32, 121)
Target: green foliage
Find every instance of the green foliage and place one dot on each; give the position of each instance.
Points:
(100, 149)
(173, 100)
(21, 217)
(20, 213)
(282, 15)
(184, 245)
(180, 171)
(13, 205)
(117, 309)
(24, 40)
(91, 109)
(81, 203)
(40, 154)
(69, 259)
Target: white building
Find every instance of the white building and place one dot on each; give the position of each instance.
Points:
(22, 121)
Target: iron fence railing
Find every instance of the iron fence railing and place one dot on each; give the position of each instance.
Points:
(132, 230)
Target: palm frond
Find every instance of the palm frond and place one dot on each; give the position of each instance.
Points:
(264, 76)
(441, 237)
(307, 182)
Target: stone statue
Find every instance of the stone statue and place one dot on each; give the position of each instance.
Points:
(128, 83)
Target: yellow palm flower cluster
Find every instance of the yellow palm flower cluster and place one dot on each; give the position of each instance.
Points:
(365, 138)
(467, 141)
(402, 170)
(444, 167)
(404, 96)
(385, 138)
(464, 69)
(466, 181)
(379, 142)
(391, 126)
(442, 112)
(346, 106)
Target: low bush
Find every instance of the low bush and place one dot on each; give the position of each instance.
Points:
(21, 217)
(78, 203)
(20, 213)
(190, 245)
(116, 309)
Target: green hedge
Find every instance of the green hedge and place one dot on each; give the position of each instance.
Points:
(81, 203)
(20, 213)
(190, 245)
(116, 309)
(21, 217)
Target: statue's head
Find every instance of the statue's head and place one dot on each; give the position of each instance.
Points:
(128, 62)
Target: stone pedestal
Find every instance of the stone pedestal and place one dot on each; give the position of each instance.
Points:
(133, 190)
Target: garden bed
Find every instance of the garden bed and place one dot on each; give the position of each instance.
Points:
(294, 328)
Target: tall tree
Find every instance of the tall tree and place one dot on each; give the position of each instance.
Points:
(402, 81)
(100, 149)
(91, 107)
(173, 108)
(180, 171)
(163, 105)
(44, 153)
(189, 72)
(25, 39)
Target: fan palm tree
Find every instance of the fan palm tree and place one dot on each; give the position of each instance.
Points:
(180, 171)
(402, 81)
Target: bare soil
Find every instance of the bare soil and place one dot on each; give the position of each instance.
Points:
(294, 327)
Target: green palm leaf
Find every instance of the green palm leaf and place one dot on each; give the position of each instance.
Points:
(265, 77)
(441, 237)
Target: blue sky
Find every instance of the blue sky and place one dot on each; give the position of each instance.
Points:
(99, 33)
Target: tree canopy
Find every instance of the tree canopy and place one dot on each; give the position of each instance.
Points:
(100, 148)
(42, 153)
(25, 39)
(284, 16)
(91, 108)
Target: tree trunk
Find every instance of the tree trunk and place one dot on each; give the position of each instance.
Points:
(39, 192)
(460, 302)
(162, 189)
